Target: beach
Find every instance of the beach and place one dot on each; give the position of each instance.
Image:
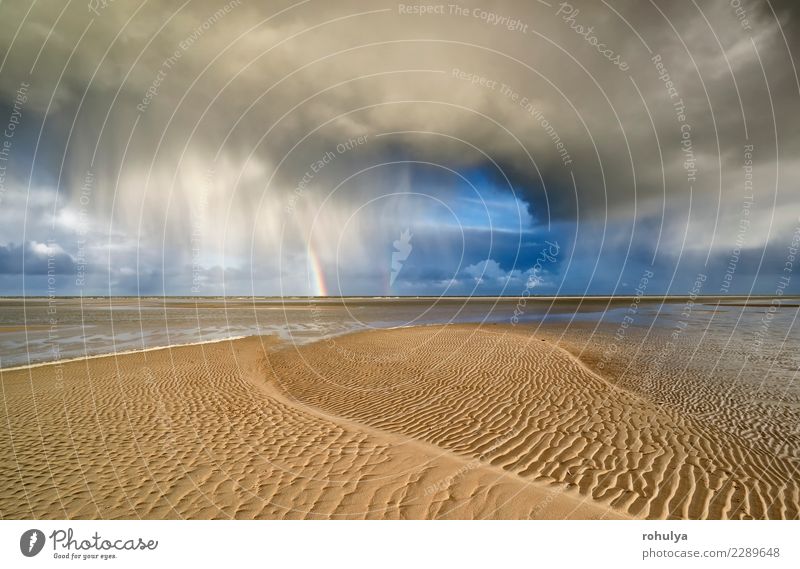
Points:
(461, 421)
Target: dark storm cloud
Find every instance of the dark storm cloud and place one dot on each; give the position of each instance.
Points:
(205, 120)
(35, 259)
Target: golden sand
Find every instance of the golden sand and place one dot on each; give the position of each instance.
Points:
(429, 422)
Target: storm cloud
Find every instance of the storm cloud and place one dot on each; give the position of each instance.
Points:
(282, 147)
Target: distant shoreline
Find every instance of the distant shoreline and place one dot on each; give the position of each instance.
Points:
(407, 297)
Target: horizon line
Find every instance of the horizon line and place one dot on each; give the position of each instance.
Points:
(404, 296)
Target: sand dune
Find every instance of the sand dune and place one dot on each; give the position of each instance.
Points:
(725, 386)
(532, 408)
(430, 422)
(201, 432)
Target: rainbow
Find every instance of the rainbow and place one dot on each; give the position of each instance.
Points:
(316, 276)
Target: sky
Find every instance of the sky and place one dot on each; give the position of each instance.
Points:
(384, 148)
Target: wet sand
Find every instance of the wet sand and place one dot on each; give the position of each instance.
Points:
(14, 329)
(458, 421)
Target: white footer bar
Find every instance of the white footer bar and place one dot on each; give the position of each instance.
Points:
(353, 544)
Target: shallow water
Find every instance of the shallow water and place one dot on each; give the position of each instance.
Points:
(40, 330)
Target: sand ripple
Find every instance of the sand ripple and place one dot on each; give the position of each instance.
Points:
(533, 409)
(200, 432)
(428, 422)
